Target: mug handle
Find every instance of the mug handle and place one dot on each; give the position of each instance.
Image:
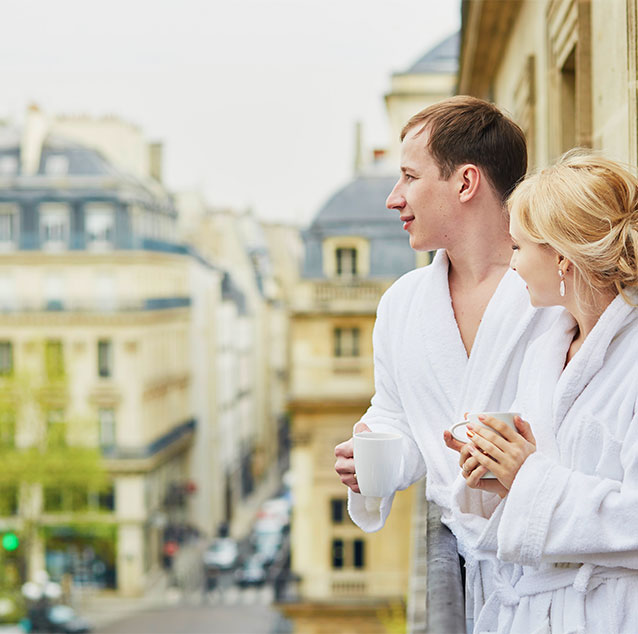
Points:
(463, 422)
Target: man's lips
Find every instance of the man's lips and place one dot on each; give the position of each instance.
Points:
(407, 221)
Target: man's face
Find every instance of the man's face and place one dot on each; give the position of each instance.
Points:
(424, 200)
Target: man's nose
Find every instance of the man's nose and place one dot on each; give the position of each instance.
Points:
(395, 200)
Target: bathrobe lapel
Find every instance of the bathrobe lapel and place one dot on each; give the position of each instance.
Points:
(589, 358)
(442, 342)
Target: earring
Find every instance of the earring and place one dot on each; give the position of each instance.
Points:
(561, 286)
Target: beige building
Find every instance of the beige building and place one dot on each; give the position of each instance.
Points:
(174, 365)
(354, 249)
(565, 69)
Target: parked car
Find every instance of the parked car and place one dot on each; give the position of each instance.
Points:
(221, 554)
(252, 572)
(58, 619)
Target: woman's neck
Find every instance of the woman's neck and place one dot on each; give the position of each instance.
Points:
(586, 313)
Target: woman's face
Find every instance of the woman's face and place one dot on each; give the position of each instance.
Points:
(538, 266)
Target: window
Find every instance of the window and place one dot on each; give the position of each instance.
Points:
(56, 428)
(7, 429)
(56, 165)
(8, 224)
(53, 499)
(105, 358)
(7, 292)
(359, 551)
(346, 262)
(348, 554)
(106, 419)
(54, 359)
(338, 510)
(6, 358)
(346, 342)
(8, 165)
(8, 500)
(337, 553)
(99, 225)
(54, 291)
(54, 225)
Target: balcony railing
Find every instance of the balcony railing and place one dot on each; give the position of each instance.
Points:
(351, 295)
(436, 603)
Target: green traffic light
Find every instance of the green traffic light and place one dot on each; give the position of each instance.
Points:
(10, 541)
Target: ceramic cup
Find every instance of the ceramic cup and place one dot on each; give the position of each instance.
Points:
(459, 430)
(377, 462)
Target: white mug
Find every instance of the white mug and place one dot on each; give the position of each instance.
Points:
(377, 463)
(459, 430)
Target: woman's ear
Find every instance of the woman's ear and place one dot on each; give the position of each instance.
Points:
(563, 264)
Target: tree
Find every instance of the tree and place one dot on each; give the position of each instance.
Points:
(45, 456)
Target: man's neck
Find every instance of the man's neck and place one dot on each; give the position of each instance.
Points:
(472, 264)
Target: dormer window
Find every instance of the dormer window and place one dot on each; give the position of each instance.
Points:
(346, 265)
(54, 226)
(346, 257)
(56, 165)
(100, 225)
(8, 225)
(8, 165)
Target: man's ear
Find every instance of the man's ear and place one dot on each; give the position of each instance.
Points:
(469, 179)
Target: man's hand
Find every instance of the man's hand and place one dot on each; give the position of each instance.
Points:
(345, 460)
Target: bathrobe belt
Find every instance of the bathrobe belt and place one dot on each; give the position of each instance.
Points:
(582, 577)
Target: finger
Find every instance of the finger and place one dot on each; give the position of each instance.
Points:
(501, 427)
(464, 454)
(470, 464)
(524, 429)
(474, 479)
(345, 449)
(345, 467)
(484, 460)
(488, 447)
(361, 426)
(452, 442)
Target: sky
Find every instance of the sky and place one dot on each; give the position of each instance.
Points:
(255, 101)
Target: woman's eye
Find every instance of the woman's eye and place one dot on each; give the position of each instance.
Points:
(515, 247)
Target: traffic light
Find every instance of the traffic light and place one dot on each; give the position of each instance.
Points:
(10, 542)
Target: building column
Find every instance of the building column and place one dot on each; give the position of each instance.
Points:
(130, 560)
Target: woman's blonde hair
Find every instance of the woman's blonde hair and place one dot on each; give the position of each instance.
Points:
(586, 208)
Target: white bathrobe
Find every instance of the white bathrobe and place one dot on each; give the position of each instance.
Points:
(424, 381)
(570, 520)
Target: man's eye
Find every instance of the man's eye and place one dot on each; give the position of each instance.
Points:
(409, 177)
(515, 247)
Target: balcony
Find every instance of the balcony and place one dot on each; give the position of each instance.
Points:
(338, 296)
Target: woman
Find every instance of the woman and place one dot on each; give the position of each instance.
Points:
(569, 510)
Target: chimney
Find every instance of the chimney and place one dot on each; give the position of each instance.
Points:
(358, 148)
(155, 151)
(33, 134)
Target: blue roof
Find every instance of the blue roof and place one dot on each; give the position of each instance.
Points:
(443, 58)
(360, 201)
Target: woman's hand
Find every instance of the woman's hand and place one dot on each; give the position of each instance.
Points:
(502, 454)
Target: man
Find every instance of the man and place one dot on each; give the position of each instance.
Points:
(449, 337)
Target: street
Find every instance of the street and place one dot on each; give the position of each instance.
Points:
(202, 619)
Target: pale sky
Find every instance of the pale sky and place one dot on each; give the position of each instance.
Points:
(255, 100)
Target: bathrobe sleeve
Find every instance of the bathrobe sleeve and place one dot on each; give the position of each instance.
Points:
(556, 514)
(386, 414)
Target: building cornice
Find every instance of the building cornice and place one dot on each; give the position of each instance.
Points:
(484, 36)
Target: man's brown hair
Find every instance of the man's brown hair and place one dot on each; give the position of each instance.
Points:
(465, 129)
